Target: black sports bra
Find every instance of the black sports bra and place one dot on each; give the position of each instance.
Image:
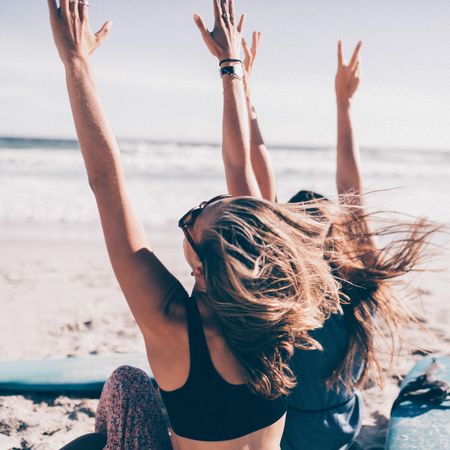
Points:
(207, 408)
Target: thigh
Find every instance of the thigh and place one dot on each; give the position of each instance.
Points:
(92, 441)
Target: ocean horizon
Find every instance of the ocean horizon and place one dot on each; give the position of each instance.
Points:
(59, 143)
(45, 190)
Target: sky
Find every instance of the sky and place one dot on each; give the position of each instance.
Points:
(158, 81)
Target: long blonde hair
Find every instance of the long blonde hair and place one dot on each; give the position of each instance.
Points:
(269, 285)
(276, 272)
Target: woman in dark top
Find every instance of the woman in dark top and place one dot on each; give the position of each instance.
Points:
(329, 416)
(325, 407)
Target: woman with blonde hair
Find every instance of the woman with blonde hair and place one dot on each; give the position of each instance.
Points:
(220, 356)
(266, 276)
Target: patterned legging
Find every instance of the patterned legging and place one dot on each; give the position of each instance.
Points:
(131, 413)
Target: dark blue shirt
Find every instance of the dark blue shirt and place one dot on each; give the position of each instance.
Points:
(320, 418)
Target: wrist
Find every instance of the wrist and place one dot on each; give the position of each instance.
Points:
(232, 71)
(230, 61)
(76, 63)
(233, 86)
(228, 56)
(344, 104)
(228, 80)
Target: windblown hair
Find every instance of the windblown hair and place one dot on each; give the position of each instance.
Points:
(276, 272)
(269, 285)
(370, 265)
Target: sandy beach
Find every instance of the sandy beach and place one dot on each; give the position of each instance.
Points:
(60, 299)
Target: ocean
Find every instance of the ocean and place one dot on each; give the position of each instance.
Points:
(44, 191)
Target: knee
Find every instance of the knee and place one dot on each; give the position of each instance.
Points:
(127, 377)
(129, 389)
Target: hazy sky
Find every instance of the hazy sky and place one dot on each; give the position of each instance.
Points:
(158, 81)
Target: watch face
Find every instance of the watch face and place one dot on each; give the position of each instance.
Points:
(236, 70)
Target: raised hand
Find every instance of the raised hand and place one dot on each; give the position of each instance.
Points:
(348, 76)
(73, 36)
(225, 40)
(251, 53)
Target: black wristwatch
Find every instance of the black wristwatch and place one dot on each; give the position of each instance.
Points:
(235, 71)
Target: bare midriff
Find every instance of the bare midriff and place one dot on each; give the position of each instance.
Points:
(266, 439)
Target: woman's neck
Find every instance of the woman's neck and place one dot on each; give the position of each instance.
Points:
(207, 314)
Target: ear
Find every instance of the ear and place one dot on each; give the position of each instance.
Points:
(199, 276)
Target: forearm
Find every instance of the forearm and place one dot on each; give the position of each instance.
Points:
(260, 157)
(236, 140)
(97, 142)
(348, 175)
(103, 162)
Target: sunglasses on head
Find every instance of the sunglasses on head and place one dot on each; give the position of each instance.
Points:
(191, 216)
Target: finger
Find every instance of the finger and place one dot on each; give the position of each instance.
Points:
(355, 55)
(356, 70)
(247, 52)
(201, 26)
(241, 24)
(340, 56)
(217, 11)
(258, 38)
(232, 11)
(255, 43)
(205, 34)
(104, 31)
(225, 13)
(224, 6)
(52, 7)
(73, 7)
(83, 9)
(64, 7)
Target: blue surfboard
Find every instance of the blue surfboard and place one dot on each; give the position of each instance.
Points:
(84, 375)
(422, 424)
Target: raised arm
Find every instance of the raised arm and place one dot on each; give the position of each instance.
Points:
(261, 161)
(348, 174)
(144, 280)
(224, 42)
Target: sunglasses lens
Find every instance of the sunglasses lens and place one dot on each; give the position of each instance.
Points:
(184, 220)
(188, 218)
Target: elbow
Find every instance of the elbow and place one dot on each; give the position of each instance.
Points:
(99, 182)
(92, 184)
(237, 163)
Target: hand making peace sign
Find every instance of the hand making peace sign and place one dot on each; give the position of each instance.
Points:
(348, 76)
